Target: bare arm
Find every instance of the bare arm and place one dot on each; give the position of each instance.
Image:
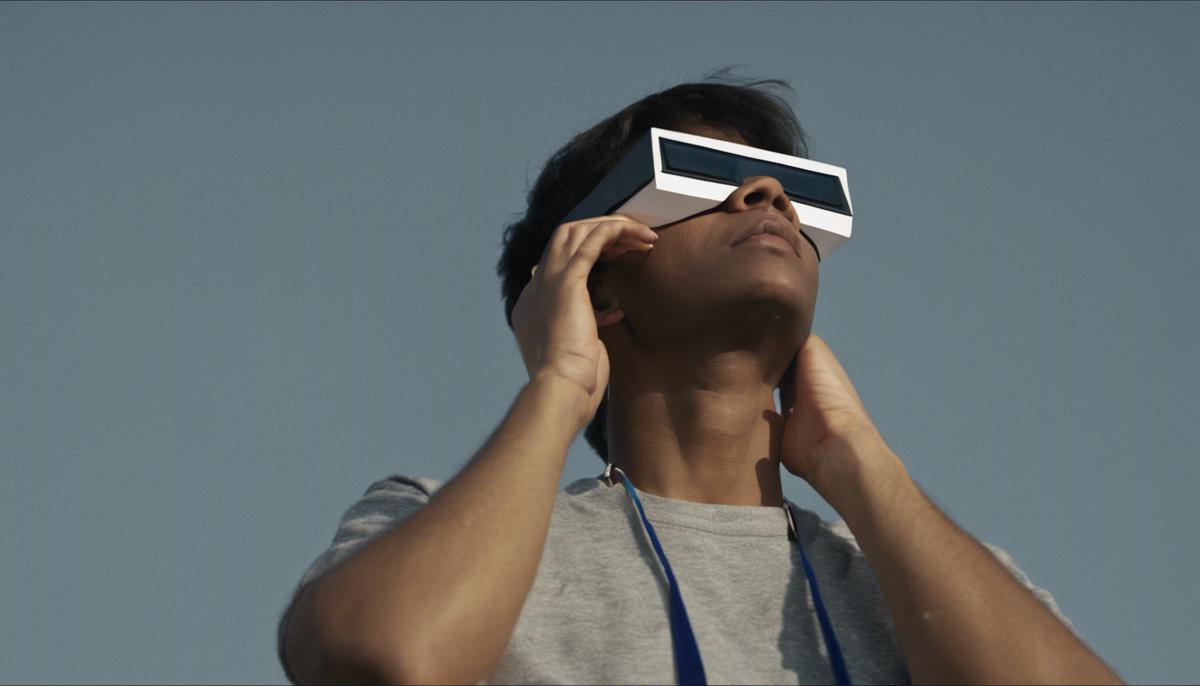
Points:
(436, 599)
(455, 573)
(960, 616)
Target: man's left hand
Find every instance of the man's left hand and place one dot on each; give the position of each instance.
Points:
(828, 438)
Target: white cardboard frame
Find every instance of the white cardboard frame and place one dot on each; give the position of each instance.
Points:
(665, 198)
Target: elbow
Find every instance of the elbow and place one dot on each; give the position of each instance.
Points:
(403, 668)
(330, 639)
(316, 648)
(403, 672)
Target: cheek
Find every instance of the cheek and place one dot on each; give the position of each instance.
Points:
(688, 277)
(681, 272)
(686, 267)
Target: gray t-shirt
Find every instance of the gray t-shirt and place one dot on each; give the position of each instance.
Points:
(598, 609)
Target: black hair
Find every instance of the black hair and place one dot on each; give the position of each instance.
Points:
(719, 100)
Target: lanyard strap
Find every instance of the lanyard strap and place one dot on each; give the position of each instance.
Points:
(689, 668)
(836, 663)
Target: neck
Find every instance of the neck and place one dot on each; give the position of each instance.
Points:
(704, 431)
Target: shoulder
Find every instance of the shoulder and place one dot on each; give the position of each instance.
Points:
(400, 484)
(1038, 592)
(389, 498)
(385, 503)
(846, 561)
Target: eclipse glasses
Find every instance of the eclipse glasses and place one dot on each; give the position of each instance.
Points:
(669, 175)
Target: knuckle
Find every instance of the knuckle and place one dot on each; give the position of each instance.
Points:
(563, 232)
(590, 250)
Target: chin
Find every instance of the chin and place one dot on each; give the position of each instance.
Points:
(784, 288)
(775, 309)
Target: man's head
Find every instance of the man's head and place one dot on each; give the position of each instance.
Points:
(701, 288)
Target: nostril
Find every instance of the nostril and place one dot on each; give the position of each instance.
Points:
(754, 197)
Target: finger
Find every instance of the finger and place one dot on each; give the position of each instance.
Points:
(593, 245)
(822, 355)
(626, 230)
(556, 247)
(612, 252)
(607, 234)
(624, 243)
(580, 233)
(567, 238)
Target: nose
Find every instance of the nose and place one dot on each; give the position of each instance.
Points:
(766, 191)
(761, 191)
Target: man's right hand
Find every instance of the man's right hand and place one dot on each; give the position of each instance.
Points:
(555, 325)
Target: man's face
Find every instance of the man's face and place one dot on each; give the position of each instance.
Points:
(699, 280)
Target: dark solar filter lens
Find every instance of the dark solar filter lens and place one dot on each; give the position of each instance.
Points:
(801, 185)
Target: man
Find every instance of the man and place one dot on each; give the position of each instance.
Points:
(668, 345)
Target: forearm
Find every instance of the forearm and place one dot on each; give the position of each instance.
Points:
(960, 616)
(438, 596)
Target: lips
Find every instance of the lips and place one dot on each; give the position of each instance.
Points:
(776, 227)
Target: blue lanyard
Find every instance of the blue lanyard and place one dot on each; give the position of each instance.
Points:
(689, 669)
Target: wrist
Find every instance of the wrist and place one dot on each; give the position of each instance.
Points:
(866, 476)
(567, 394)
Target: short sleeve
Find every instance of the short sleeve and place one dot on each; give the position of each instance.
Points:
(1040, 593)
(385, 504)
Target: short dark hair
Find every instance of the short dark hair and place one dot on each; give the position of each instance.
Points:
(721, 101)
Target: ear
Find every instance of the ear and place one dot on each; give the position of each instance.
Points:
(607, 310)
(607, 313)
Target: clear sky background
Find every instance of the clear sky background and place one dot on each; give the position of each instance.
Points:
(247, 262)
